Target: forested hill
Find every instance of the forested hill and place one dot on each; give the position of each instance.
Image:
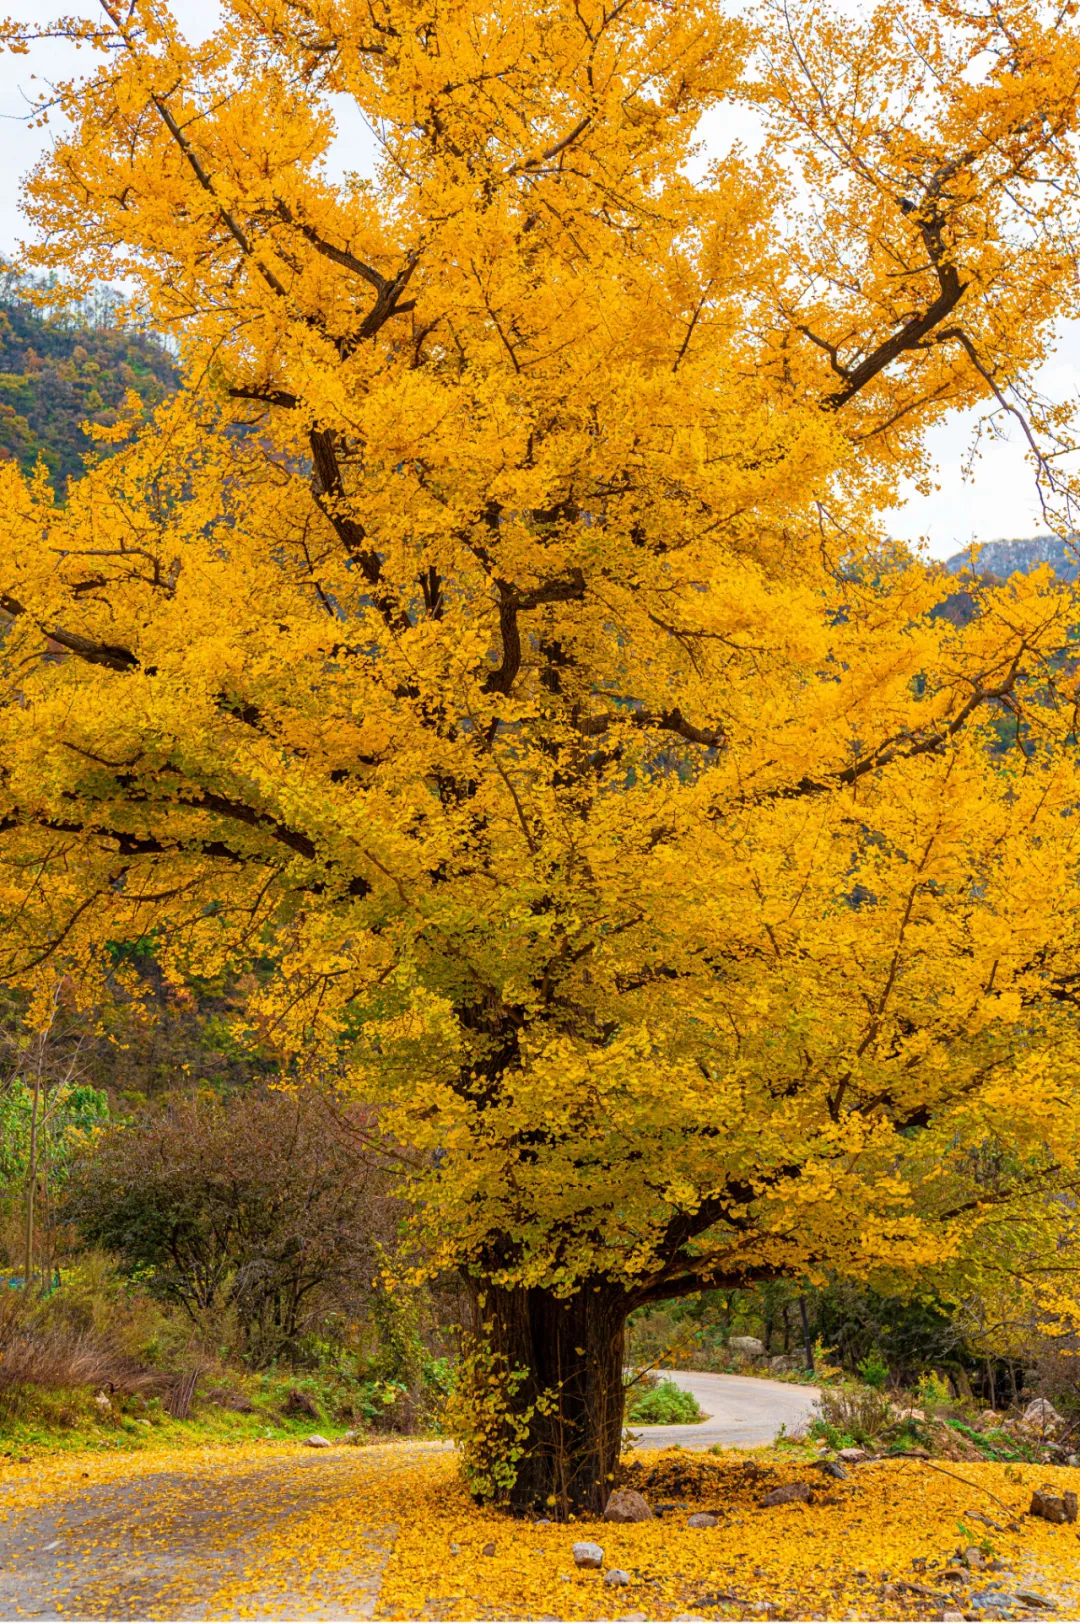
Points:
(1005, 558)
(55, 375)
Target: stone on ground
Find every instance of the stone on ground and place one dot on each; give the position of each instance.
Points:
(789, 1494)
(1054, 1508)
(588, 1555)
(627, 1506)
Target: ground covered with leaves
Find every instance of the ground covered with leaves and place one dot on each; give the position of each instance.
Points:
(389, 1531)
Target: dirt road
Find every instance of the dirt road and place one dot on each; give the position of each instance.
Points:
(191, 1543)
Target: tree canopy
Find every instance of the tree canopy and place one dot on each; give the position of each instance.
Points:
(497, 634)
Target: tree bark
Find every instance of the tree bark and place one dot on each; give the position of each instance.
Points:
(571, 1349)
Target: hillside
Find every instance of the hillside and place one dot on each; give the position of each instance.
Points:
(1005, 557)
(55, 375)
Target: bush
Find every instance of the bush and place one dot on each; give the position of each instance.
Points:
(852, 1415)
(873, 1370)
(663, 1405)
(260, 1217)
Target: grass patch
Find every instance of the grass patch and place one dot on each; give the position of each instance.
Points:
(664, 1405)
(37, 1420)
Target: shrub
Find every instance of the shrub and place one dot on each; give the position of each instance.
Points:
(852, 1415)
(873, 1370)
(257, 1216)
(664, 1405)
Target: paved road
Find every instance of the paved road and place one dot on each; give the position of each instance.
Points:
(742, 1410)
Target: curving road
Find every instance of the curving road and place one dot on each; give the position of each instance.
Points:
(742, 1410)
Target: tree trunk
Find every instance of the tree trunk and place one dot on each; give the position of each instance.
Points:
(572, 1350)
(31, 1185)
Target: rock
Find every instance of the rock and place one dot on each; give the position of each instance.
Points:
(617, 1576)
(1053, 1507)
(488, 1549)
(103, 1402)
(784, 1363)
(588, 1555)
(851, 1454)
(455, 1550)
(1041, 1413)
(973, 1558)
(992, 1600)
(747, 1347)
(542, 1522)
(299, 1403)
(632, 1618)
(1031, 1598)
(831, 1467)
(317, 1441)
(908, 1414)
(1073, 1460)
(988, 1421)
(952, 1618)
(627, 1506)
(789, 1494)
(702, 1519)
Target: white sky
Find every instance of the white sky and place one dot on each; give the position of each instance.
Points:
(999, 501)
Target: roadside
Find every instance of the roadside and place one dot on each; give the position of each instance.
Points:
(742, 1410)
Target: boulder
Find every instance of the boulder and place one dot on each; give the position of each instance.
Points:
(1040, 1413)
(851, 1454)
(1031, 1598)
(1053, 1507)
(747, 1347)
(588, 1555)
(789, 1494)
(317, 1441)
(627, 1506)
(702, 1519)
(784, 1363)
(617, 1576)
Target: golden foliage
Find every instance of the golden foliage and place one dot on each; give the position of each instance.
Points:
(495, 643)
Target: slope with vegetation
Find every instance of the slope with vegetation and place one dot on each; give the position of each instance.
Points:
(60, 373)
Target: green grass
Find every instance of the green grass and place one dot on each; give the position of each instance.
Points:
(664, 1405)
(35, 1421)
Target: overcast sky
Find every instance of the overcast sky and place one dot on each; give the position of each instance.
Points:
(1000, 501)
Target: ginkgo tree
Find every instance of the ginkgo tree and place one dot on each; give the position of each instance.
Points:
(496, 641)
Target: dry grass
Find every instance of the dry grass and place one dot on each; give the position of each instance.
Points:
(36, 1351)
(863, 1414)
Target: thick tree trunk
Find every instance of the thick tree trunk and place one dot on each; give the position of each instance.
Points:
(572, 1349)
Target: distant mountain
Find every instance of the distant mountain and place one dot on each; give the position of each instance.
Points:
(1005, 558)
(57, 374)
